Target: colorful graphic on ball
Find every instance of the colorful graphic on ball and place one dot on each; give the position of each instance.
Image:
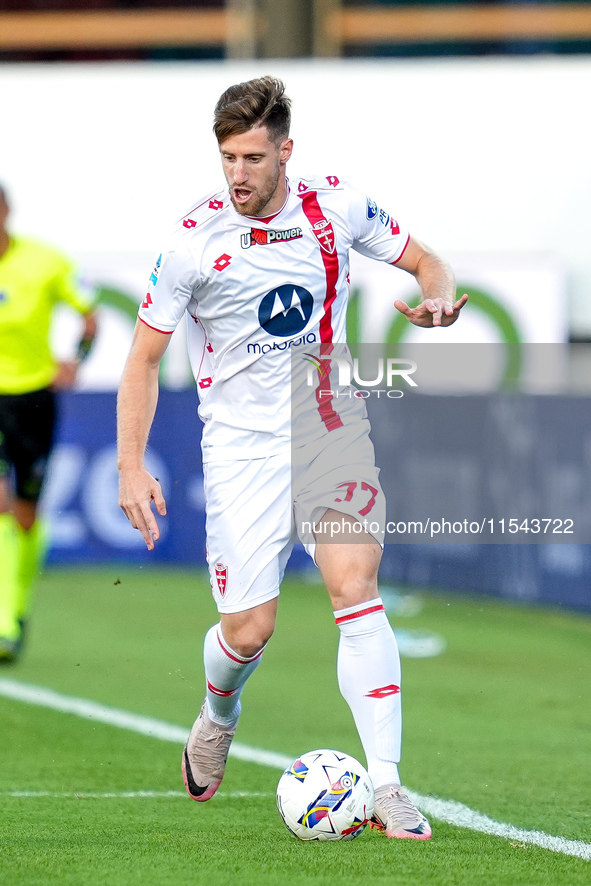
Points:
(298, 769)
(329, 801)
(358, 825)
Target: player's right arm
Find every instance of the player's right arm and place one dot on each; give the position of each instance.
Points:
(136, 407)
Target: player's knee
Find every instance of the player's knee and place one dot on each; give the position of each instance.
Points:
(353, 590)
(247, 635)
(248, 643)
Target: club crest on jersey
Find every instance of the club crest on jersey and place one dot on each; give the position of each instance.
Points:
(221, 577)
(258, 236)
(324, 233)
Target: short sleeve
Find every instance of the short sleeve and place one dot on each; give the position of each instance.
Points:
(376, 232)
(170, 289)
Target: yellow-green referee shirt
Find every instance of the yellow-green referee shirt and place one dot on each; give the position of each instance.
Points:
(33, 279)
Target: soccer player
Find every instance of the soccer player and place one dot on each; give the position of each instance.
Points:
(33, 279)
(261, 268)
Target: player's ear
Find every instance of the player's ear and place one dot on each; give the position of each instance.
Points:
(285, 150)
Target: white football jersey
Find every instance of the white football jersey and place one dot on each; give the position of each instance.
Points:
(260, 293)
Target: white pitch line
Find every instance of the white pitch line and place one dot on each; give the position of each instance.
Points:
(462, 816)
(124, 795)
(445, 810)
(91, 710)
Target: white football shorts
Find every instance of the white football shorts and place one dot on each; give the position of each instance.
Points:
(256, 509)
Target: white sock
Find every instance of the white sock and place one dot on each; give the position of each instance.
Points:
(226, 672)
(368, 668)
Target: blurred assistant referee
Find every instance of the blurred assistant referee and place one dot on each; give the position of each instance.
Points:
(33, 279)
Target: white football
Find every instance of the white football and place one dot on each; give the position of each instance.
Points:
(325, 795)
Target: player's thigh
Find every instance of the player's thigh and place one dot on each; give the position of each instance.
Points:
(5, 461)
(249, 529)
(8, 433)
(30, 440)
(349, 569)
(343, 477)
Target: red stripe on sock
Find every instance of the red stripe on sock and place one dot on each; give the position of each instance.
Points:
(222, 692)
(234, 656)
(360, 613)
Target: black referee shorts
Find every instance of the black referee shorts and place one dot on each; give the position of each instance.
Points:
(27, 426)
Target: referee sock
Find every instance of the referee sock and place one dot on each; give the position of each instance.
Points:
(368, 668)
(226, 672)
(32, 546)
(9, 588)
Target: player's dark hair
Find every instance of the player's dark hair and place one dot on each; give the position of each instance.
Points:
(3, 194)
(254, 103)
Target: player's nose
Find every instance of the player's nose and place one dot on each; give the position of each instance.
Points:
(240, 173)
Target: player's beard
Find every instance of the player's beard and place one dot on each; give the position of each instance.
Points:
(259, 199)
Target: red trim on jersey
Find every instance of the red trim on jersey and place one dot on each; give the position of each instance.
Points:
(360, 613)
(328, 414)
(402, 253)
(267, 219)
(199, 205)
(314, 214)
(205, 344)
(154, 328)
(234, 656)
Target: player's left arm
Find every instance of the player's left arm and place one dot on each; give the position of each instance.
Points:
(438, 287)
(68, 369)
(67, 287)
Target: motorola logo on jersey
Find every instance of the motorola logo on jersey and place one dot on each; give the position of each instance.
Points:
(286, 310)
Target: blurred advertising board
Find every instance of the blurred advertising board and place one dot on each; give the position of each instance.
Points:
(430, 459)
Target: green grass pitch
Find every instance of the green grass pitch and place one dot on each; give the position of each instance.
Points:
(501, 721)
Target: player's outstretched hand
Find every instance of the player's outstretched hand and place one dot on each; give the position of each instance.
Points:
(432, 311)
(137, 491)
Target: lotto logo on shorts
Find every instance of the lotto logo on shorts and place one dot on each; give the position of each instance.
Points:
(221, 577)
